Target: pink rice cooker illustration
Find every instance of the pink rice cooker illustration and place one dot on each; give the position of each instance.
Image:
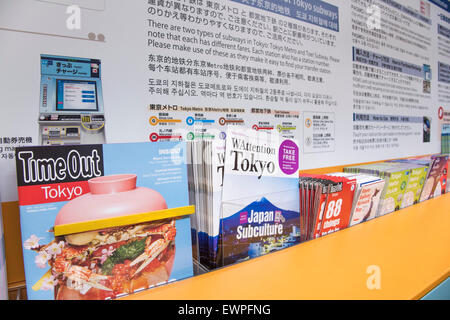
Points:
(111, 196)
(104, 263)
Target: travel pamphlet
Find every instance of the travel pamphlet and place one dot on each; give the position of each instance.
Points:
(103, 221)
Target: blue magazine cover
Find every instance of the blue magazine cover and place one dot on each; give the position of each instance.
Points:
(103, 221)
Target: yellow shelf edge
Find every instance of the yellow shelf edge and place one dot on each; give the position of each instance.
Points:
(91, 225)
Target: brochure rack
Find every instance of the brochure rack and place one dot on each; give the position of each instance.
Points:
(334, 266)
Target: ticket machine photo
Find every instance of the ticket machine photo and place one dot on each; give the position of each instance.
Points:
(71, 101)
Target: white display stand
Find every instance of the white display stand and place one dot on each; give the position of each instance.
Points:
(3, 279)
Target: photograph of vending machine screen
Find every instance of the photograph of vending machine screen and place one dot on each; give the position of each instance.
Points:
(76, 95)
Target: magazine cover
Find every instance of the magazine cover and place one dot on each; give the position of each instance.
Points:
(437, 177)
(260, 197)
(396, 177)
(396, 181)
(334, 209)
(367, 196)
(368, 200)
(102, 221)
(415, 185)
(417, 162)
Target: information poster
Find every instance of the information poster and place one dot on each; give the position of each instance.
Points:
(352, 81)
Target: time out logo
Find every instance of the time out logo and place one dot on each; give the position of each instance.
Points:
(60, 173)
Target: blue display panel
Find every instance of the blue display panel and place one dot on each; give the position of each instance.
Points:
(70, 84)
(76, 95)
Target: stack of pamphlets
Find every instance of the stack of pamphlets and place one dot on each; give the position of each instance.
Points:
(326, 203)
(415, 185)
(245, 189)
(421, 182)
(396, 176)
(367, 196)
(206, 170)
(436, 181)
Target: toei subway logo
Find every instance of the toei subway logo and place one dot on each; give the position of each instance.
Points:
(74, 166)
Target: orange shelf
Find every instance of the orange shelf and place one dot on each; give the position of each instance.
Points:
(411, 247)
